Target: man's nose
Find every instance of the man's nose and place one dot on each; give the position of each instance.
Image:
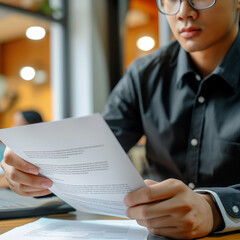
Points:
(186, 11)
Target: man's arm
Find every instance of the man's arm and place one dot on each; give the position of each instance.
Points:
(122, 112)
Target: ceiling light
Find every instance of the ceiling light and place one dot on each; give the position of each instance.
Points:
(146, 43)
(27, 73)
(35, 33)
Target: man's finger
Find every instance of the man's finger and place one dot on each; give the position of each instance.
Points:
(159, 222)
(150, 182)
(149, 211)
(11, 159)
(154, 192)
(29, 179)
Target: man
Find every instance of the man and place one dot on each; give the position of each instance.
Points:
(185, 99)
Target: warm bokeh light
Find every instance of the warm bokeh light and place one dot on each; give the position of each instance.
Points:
(35, 33)
(146, 43)
(27, 73)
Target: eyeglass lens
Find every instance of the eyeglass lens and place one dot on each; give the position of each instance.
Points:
(171, 7)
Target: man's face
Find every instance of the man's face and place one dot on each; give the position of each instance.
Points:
(199, 30)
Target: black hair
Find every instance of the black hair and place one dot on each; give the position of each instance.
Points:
(32, 116)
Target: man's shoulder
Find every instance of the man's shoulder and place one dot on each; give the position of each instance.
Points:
(166, 55)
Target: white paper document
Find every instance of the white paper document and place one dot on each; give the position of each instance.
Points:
(56, 229)
(88, 167)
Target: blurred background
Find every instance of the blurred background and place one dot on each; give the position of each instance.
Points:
(63, 57)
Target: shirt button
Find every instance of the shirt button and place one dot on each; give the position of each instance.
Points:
(201, 99)
(235, 209)
(198, 77)
(194, 142)
(191, 185)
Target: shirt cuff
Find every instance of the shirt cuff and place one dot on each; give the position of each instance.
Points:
(231, 223)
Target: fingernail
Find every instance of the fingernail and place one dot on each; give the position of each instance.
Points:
(33, 171)
(46, 184)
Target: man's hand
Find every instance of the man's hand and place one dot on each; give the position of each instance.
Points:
(171, 209)
(22, 176)
(3, 181)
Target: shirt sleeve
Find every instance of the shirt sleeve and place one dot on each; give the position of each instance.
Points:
(228, 202)
(122, 112)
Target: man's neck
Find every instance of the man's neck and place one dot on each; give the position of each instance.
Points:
(207, 60)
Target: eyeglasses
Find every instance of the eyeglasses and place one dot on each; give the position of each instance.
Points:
(172, 7)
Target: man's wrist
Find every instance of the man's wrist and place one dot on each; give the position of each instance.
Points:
(218, 222)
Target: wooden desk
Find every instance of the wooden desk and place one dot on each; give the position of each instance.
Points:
(7, 225)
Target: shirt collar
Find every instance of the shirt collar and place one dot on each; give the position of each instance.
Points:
(184, 66)
(225, 69)
(229, 68)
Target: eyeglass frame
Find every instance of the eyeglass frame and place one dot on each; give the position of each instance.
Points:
(180, 2)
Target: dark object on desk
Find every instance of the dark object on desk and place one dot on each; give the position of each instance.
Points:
(13, 205)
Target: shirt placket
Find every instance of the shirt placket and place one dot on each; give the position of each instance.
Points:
(195, 136)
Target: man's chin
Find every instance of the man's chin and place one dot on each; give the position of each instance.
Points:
(191, 46)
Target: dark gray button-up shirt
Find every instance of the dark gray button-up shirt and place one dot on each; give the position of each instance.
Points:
(192, 124)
